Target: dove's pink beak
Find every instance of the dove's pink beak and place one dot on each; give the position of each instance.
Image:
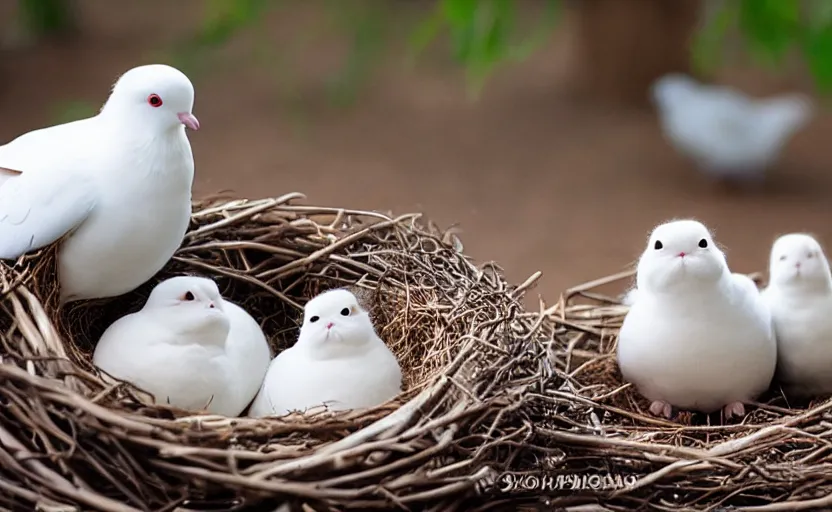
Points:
(189, 120)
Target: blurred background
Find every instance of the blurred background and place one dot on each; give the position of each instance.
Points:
(526, 122)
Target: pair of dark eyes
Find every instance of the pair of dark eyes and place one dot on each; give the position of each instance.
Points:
(808, 256)
(154, 100)
(702, 243)
(344, 312)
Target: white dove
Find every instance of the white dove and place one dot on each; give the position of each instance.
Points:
(698, 337)
(728, 134)
(338, 361)
(188, 347)
(799, 295)
(117, 186)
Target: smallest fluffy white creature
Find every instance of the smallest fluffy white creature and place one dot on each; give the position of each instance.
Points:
(338, 361)
(729, 135)
(697, 337)
(189, 347)
(799, 295)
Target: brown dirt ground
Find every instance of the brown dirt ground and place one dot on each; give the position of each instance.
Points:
(537, 179)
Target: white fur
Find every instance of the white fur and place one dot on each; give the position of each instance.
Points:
(189, 353)
(118, 184)
(726, 132)
(698, 337)
(629, 297)
(801, 304)
(344, 367)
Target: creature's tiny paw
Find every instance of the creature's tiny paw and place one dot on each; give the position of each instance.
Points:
(734, 409)
(661, 408)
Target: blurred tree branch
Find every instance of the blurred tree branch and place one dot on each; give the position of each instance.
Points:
(482, 34)
(624, 44)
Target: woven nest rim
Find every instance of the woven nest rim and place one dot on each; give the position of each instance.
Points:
(590, 422)
(456, 428)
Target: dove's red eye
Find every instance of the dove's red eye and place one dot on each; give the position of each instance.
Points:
(154, 100)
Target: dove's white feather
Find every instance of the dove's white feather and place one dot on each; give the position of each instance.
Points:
(629, 297)
(723, 130)
(195, 354)
(33, 215)
(65, 142)
(800, 299)
(344, 367)
(698, 337)
(248, 352)
(116, 186)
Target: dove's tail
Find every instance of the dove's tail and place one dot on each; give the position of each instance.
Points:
(786, 114)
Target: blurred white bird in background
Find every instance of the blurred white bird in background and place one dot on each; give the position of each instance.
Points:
(728, 134)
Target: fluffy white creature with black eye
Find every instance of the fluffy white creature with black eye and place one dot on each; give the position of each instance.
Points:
(115, 187)
(338, 361)
(697, 337)
(188, 347)
(799, 295)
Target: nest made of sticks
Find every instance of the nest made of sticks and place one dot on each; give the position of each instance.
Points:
(596, 442)
(468, 352)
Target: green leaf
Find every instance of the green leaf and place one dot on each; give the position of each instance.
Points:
(549, 20)
(47, 16)
(425, 33)
(707, 48)
(366, 28)
(818, 51)
(459, 13)
(224, 18)
(770, 27)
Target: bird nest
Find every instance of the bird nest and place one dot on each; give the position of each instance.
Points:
(596, 442)
(467, 348)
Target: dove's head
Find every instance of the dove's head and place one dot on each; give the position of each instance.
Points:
(335, 325)
(797, 261)
(680, 255)
(190, 306)
(155, 95)
(672, 89)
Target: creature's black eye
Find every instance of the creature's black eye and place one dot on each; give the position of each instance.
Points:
(154, 100)
(783, 258)
(189, 296)
(314, 319)
(810, 255)
(703, 243)
(345, 312)
(658, 245)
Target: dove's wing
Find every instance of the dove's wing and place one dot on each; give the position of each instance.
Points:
(718, 127)
(47, 195)
(53, 148)
(732, 113)
(753, 130)
(34, 212)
